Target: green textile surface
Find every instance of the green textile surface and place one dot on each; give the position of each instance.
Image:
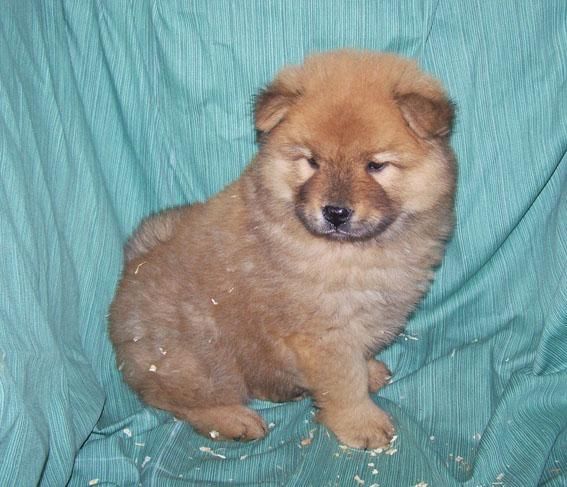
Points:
(112, 109)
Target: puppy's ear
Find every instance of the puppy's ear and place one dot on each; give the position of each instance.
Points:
(274, 101)
(428, 118)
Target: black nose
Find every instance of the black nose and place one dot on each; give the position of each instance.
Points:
(336, 215)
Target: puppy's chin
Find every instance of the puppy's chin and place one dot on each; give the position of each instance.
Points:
(350, 231)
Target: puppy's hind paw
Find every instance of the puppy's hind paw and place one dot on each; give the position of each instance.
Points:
(235, 422)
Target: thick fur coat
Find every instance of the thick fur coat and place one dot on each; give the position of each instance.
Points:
(293, 277)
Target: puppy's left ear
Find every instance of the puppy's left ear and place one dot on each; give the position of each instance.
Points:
(428, 118)
(274, 101)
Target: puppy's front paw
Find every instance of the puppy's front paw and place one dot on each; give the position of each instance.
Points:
(365, 426)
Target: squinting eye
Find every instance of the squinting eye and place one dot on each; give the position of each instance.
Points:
(313, 163)
(374, 167)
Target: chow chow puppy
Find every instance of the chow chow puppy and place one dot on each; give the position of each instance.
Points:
(291, 279)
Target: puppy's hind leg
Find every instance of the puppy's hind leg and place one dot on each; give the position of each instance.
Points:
(208, 394)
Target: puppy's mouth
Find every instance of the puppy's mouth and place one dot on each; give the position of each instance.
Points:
(352, 230)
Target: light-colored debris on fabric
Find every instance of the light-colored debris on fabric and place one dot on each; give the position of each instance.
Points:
(94, 481)
(271, 425)
(421, 484)
(243, 457)
(145, 462)
(305, 441)
(358, 480)
(375, 471)
(139, 444)
(214, 434)
(206, 449)
(127, 432)
(408, 337)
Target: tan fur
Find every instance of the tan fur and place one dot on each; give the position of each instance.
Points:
(256, 294)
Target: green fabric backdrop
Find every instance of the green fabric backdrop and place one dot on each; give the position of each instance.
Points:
(112, 109)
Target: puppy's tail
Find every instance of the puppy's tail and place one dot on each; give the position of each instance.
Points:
(152, 231)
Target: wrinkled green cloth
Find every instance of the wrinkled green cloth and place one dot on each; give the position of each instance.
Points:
(112, 110)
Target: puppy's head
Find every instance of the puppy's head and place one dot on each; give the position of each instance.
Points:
(352, 140)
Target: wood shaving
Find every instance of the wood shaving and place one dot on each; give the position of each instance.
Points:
(145, 462)
(138, 267)
(358, 480)
(162, 351)
(214, 434)
(94, 481)
(127, 432)
(152, 368)
(408, 337)
(305, 441)
(206, 449)
(214, 301)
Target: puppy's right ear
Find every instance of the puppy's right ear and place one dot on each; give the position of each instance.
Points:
(274, 101)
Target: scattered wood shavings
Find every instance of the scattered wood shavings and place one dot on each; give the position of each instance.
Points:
(135, 339)
(375, 485)
(139, 444)
(138, 267)
(162, 351)
(152, 368)
(121, 366)
(206, 449)
(391, 451)
(500, 477)
(421, 484)
(127, 432)
(271, 425)
(432, 437)
(214, 301)
(243, 457)
(305, 441)
(375, 471)
(94, 481)
(145, 462)
(371, 464)
(214, 434)
(358, 480)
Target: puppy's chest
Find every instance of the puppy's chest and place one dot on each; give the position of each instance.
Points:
(369, 303)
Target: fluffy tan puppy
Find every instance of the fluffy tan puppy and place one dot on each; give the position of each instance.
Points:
(292, 278)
